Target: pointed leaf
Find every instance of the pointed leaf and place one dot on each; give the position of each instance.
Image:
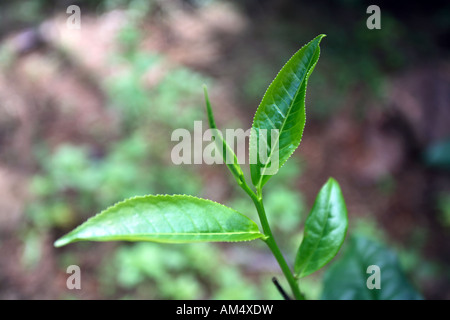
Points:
(283, 109)
(228, 155)
(347, 278)
(164, 218)
(325, 230)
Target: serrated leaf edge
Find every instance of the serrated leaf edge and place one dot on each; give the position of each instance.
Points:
(298, 273)
(261, 235)
(308, 74)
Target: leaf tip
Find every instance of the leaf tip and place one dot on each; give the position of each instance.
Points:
(61, 242)
(321, 36)
(331, 180)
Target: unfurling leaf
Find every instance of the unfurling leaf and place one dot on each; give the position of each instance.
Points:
(228, 155)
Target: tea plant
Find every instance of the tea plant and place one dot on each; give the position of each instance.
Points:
(187, 219)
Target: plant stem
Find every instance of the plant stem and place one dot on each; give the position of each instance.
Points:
(271, 243)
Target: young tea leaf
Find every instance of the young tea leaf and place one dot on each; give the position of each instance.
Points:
(349, 277)
(228, 155)
(279, 121)
(165, 218)
(325, 230)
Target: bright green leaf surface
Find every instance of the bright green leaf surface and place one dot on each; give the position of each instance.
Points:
(347, 278)
(282, 108)
(325, 230)
(164, 218)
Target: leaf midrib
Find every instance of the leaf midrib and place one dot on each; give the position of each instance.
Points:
(178, 233)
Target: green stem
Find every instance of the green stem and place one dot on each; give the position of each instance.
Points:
(271, 243)
(257, 199)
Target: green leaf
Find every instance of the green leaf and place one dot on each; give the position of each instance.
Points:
(228, 155)
(325, 230)
(282, 108)
(165, 218)
(347, 278)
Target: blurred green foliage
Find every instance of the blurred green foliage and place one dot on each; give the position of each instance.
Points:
(412, 259)
(346, 278)
(75, 181)
(443, 204)
(196, 271)
(437, 155)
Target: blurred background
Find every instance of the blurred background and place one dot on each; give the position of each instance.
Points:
(86, 118)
